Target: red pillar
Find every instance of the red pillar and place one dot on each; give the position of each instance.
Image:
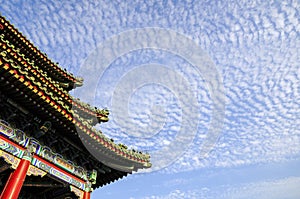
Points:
(87, 195)
(15, 181)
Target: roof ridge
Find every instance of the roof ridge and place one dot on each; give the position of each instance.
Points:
(34, 49)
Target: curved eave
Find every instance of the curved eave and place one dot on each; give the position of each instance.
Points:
(101, 146)
(34, 53)
(86, 111)
(57, 111)
(111, 158)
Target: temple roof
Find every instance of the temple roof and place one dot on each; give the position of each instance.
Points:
(29, 50)
(53, 88)
(41, 86)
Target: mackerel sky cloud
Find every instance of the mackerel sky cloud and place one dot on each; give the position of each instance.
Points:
(254, 47)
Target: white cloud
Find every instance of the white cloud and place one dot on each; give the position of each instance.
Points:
(288, 188)
(256, 51)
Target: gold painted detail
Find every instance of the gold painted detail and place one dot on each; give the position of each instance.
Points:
(35, 171)
(77, 191)
(10, 159)
(14, 162)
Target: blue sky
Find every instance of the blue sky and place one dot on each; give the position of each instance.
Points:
(254, 47)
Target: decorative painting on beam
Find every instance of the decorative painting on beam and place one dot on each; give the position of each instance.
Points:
(58, 173)
(77, 191)
(14, 162)
(21, 139)
(10, 159)
(10, 148)
(35, 171)
(8, 153)
(40, 165)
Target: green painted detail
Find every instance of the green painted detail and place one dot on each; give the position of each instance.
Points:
(59, 174)
(93, 176)
(34, 147)
(88, 187)
(27, 155)
(10, 149)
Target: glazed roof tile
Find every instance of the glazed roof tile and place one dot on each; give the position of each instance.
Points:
(32, 52)
(51, 86)
(43, 91)
(108, 148)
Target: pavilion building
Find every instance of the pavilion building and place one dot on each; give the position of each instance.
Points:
(44, 130)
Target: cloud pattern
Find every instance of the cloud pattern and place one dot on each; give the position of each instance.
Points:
(283, 188)
(254, 45)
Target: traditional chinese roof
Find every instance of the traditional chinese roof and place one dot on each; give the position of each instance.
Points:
(13, 41)
(20, 42)
(40, 86)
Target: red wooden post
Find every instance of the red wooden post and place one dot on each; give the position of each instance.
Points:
(16, 180)
(87, 195)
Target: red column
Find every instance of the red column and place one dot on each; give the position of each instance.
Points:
(87, 195)
(15, 181)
